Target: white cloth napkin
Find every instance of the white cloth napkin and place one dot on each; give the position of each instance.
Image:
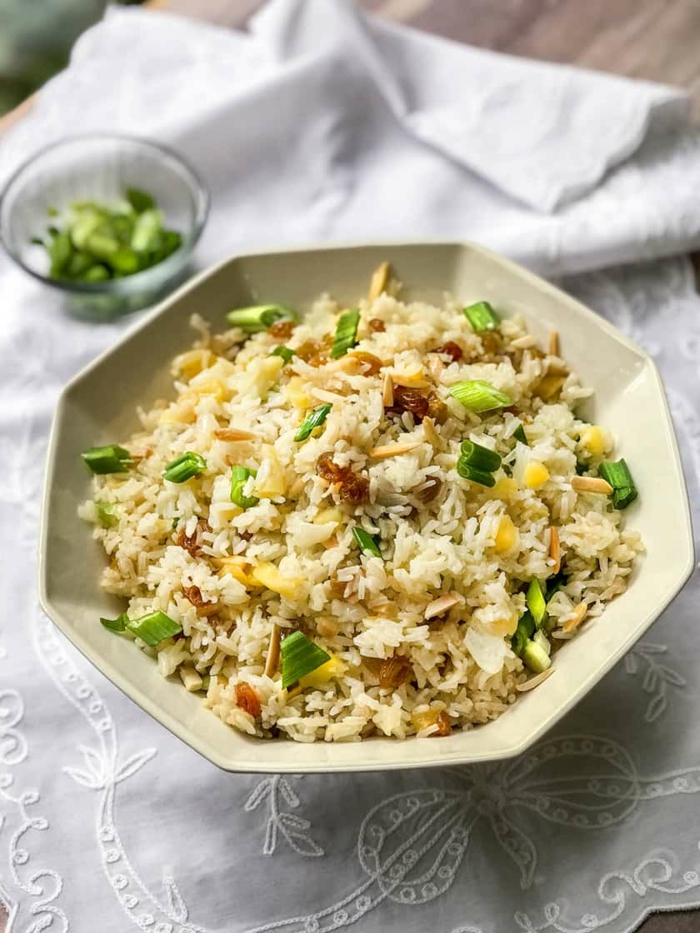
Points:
(324, 125)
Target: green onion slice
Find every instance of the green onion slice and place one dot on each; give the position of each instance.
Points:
(140, 200)
(366, 543)
(535, 657)
(620, 478)
(239, 477)
(536, 602)
(524, 631)
(109, 459)
(312, 421)
(259, 317)
(285, 352)
(345, 333)
(554, 584)
(107, 513)
(519, 435)
(482, 317)
(184, 467)
(300, 656)
(154, 627)
(478, 457)
(479, 396)
(482, 477)
(116, 625)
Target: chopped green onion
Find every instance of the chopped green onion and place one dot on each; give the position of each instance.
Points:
(116, 625)
(535, 657)
(524, 631)
(536, 602)
(184, 467)
(300, 656)
(519, 435)
(109, 459)
(312, 421)
(285, 352)
(482, 317)
(259, 317)
(239, 477)
(144, 236)
(139, 200)
(473, 475)
(154, 627)
(541, 639)
(479, 396)
(366, 542)
(107, 513)
(554, 584)
(52, 211)
(345, 333)
(478, 457)
(101, 241)
(620, 478)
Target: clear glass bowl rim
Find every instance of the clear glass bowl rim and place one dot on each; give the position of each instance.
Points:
(129, 284)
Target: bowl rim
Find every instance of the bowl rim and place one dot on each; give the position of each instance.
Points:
(129, 283)
(227, 763)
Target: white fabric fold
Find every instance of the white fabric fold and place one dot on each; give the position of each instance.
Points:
(544, 134)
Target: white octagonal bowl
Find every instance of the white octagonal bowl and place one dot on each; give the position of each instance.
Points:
(99, 406)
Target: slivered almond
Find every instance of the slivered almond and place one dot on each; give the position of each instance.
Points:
(554, 343)
(591, 484)
(442, 604)
(557, 368)
(535, 681)
(393, 450)
(549, 385)
(324, 396)
(379, 281)
(273, 652)
(415, 380)
(388, 391)
(233, 434)
(348, 364)
(577, 618)
(555, 549)
(431, 434)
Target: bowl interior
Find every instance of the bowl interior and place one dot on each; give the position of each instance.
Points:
(629, 400)
(96, 168)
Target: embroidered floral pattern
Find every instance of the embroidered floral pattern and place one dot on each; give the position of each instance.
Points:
(290, 826)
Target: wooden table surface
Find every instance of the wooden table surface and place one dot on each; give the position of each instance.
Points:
(653, 39)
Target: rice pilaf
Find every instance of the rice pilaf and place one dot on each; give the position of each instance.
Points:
(401, 534)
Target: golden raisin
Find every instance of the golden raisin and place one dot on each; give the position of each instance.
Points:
(203, 606)
(194, 595)
(247, 699)
(372, 364)
(443, 725)
(352, 487)
(394, 671)
(313, 353)
(192, 543)
(413, 400)
(437, 409)
(451, 349)
(281, 330)
(377, 326)
(428, 493)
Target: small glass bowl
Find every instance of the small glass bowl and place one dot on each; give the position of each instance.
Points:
(100, 167)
